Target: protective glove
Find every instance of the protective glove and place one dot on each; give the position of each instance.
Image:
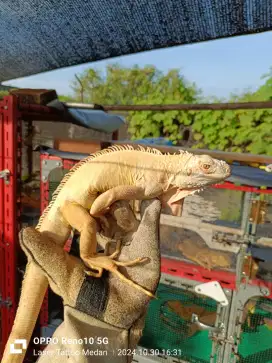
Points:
(103, 317)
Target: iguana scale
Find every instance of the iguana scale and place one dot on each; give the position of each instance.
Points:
(91, 186)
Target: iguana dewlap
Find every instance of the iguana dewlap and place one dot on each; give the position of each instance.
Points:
(93, 184)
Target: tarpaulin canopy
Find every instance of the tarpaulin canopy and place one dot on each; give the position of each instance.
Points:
(42, 35)
(91, 118)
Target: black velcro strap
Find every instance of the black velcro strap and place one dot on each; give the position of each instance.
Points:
(93, 295)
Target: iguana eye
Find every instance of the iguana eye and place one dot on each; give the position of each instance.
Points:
(206, 166)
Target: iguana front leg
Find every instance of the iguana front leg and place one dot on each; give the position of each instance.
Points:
(124, 192)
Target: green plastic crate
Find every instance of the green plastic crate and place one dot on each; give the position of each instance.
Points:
(167, 331)
(256, 338)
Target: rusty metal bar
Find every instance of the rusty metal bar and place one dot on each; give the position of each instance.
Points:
(181, 107)
(87, 106)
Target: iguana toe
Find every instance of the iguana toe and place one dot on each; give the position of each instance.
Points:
(133, 262)
(94, 274)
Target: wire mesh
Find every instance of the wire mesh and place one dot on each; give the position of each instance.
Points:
(256, 337)
(168, 326)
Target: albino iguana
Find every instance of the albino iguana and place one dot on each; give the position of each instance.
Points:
(91, 186)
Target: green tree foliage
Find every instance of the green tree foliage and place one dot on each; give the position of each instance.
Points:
(240, 130)
(126, 86)
(64, 98)
(237, 131)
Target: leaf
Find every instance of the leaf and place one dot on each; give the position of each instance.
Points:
(197, 126)
(197, 136)
(246, 120)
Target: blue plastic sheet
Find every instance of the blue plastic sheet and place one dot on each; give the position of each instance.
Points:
(96, 119)
(152, 140)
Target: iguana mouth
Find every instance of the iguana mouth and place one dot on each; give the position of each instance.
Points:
(174, 198)
(215, 177)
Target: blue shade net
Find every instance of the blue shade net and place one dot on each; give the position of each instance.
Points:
(42, 35)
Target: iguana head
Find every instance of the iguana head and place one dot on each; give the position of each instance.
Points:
(190, 174)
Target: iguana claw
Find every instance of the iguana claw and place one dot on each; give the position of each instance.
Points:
(100, 263)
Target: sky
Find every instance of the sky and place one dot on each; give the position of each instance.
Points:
(218, 67)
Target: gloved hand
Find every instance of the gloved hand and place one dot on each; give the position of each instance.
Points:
(103, 317)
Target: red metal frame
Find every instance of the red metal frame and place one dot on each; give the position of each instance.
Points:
(2, 251)
(10, 154)
(197, 273)
(243, 188)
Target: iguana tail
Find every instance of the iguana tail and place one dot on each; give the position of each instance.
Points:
(31, 300)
